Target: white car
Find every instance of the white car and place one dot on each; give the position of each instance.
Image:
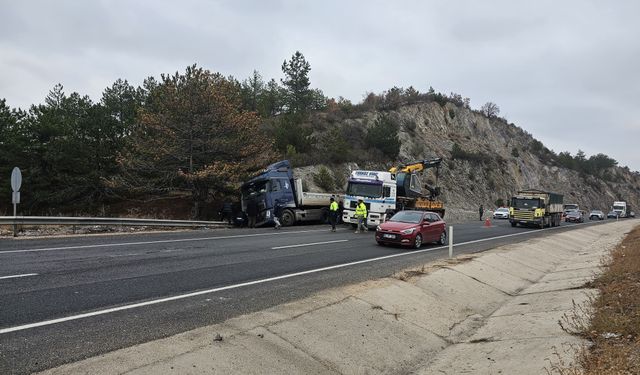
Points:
(596, 215)
(501, 213)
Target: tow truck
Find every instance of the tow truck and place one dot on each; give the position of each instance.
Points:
(385, 193)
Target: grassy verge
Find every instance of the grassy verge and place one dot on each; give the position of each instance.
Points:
(614, 329)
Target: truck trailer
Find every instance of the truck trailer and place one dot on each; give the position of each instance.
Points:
(276, 184)
(536, 208)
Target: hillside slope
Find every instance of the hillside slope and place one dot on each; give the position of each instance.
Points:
(493, 160)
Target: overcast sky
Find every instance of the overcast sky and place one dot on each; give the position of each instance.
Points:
(565, 71)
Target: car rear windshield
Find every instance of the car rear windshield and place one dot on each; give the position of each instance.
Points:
(407, 217)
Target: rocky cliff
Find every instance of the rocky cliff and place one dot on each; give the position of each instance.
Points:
(485, 159)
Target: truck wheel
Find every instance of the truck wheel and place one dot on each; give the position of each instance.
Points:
(325, 216)
(288, 218)
(514, 224)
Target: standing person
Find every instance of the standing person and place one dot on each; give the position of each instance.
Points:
(361, 215)
(340, 211)
(226, 211)
(252, 212)
(481, 211)
(277, 212)
(333, 213)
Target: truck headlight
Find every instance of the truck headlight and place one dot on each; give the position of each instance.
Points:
(408, 231)
(378, 228)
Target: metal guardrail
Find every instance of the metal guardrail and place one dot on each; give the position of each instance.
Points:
(55, 220)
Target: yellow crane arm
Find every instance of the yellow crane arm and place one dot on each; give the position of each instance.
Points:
(416, 166)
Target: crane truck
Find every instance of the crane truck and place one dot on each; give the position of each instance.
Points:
(276, 184)
(536, 207)
(384, 193)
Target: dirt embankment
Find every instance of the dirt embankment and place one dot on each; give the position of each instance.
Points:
(614, 330)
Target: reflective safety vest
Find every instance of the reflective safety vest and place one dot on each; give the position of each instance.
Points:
(333, 206)
(361, 210)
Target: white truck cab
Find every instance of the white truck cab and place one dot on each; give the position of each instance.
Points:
(620, 208)
(378, 191)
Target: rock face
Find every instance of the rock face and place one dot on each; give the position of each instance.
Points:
(499, 159)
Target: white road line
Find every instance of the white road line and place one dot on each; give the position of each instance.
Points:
(158, 241)
(307, 244)
(16, 276)
(249, 283)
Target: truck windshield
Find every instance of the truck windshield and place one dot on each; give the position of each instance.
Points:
(364, 190)
(255, 188)
(618, 208)
(522, 203)
(570, 206)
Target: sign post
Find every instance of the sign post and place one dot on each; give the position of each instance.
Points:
(16, 183)
(450, 242)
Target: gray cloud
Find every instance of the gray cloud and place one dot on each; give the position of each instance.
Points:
(564, 71)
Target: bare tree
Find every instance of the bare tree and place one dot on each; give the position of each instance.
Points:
(490, 109)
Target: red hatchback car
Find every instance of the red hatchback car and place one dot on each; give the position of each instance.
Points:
(412, 228)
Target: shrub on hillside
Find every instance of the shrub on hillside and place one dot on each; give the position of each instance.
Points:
(458, 153)
(289, 130)
(383, 135)
(324, 179)
(335, 146)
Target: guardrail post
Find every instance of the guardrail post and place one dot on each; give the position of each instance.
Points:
(451, 241)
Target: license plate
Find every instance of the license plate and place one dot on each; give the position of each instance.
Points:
(389, 235)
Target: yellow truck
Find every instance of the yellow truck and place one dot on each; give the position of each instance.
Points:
(536, 208)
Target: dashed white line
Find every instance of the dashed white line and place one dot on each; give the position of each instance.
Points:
(16, 276)
(307, 244)
(157, 242)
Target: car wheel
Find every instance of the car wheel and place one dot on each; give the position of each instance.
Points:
(381, 243)
(418, 241)
(443, 238)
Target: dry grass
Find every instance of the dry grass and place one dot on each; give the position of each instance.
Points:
(614, 328)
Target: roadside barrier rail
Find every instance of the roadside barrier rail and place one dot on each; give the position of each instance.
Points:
(61, 220)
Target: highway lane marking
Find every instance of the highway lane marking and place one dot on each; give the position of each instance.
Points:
(16, 276)
(249, 283)
(158, 241)
(307, 244)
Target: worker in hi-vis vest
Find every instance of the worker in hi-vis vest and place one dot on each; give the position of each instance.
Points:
(361, 215)
(333, 213)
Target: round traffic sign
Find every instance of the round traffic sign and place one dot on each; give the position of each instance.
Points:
(16, 179)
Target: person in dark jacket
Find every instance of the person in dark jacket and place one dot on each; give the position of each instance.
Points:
(252, 212)
(226, 212)
(481, 211)
(277, 214)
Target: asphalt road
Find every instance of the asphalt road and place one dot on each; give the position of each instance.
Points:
(65, 299)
